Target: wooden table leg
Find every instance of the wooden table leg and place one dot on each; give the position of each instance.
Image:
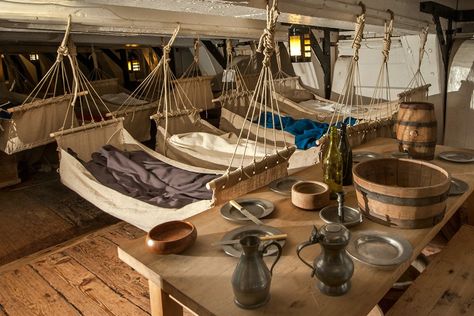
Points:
(161, 303)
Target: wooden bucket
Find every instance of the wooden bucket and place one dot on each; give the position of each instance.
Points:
(416, 129)
(404, 193)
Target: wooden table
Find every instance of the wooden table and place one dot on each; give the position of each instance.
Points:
(200, 277)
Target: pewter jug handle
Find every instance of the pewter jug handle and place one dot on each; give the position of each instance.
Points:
(273, 243)
(313, 239)
(300, 247)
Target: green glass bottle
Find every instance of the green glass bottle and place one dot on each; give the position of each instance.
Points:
(332, 164)
(346, 153)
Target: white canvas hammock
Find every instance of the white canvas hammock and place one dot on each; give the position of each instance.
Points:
(89, 137)
(42, 112)
(187, 121)
(75, 176)
(181, 131)
(234, 102)
(198, 88)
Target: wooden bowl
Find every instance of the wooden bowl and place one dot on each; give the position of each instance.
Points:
(310, 195)
(171, 237)
(403, 193)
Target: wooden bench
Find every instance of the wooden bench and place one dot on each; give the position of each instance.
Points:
(447, 285)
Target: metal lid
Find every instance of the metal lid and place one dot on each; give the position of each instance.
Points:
(334, 234)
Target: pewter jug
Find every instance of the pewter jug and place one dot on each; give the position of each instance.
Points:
(252, 278)
(333, 267)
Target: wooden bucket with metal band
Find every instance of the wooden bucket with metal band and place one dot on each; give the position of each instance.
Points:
(416, 129)
(403, 193)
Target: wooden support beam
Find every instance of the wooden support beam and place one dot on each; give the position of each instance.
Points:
(446, 42)
(440, 10)
(121, 62)
(324, 56)
(214, 51)
(85, 61)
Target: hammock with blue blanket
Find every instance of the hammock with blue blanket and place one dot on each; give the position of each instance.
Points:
(306, 131)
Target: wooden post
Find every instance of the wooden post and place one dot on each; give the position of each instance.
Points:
(161, 303)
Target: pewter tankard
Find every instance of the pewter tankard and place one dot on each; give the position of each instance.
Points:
(252, 278)
(333, 267)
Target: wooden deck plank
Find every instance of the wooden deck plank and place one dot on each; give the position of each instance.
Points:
(83, 289)
(68, 205)
(24, 292)
(27, 226)
(40, 213)
(100, 257)
(123, 232)
(446, 287)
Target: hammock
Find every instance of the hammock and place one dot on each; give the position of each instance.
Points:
(235, 100)
(75, 176)
(177, 116)
(88, 138)
(42, 112)
(186, 121)
(197, 87)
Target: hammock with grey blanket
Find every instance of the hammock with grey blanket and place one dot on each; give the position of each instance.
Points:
(141, 176)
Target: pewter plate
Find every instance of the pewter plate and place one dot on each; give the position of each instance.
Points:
(256, 230)
(458, 187)
(379, 249)
(352, 216)
(257, 207)
(283, 185)
(457, 156)
(358, 156)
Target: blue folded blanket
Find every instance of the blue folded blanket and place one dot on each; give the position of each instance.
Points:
(306, 131)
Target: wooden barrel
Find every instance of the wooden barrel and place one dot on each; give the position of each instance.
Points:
(416, 129)
(404, 193)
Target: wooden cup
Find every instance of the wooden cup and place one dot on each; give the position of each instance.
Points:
(310, 195)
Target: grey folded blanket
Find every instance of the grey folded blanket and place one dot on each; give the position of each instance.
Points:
(141, 176)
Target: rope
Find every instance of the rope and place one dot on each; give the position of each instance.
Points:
(263, 98)
(423, 39)
(358, 34)
(387, 39)
(266, 44)
(196, 50)
(167, 47)
(62, 49)
(278, 57)
(228, 46)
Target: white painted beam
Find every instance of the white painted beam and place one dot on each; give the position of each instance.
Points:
(104, 19)
(207, 18)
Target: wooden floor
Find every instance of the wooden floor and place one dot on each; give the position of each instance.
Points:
(58, 255)
(42, 212)
(81, 277)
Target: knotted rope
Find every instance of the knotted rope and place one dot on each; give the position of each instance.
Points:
(387, 39)
(228, 47)
(263, 99)
(167, 47)
(196, 50)
(358, 32)
(266, 44)
(278, 57)
(62, 49)
(423, 39)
